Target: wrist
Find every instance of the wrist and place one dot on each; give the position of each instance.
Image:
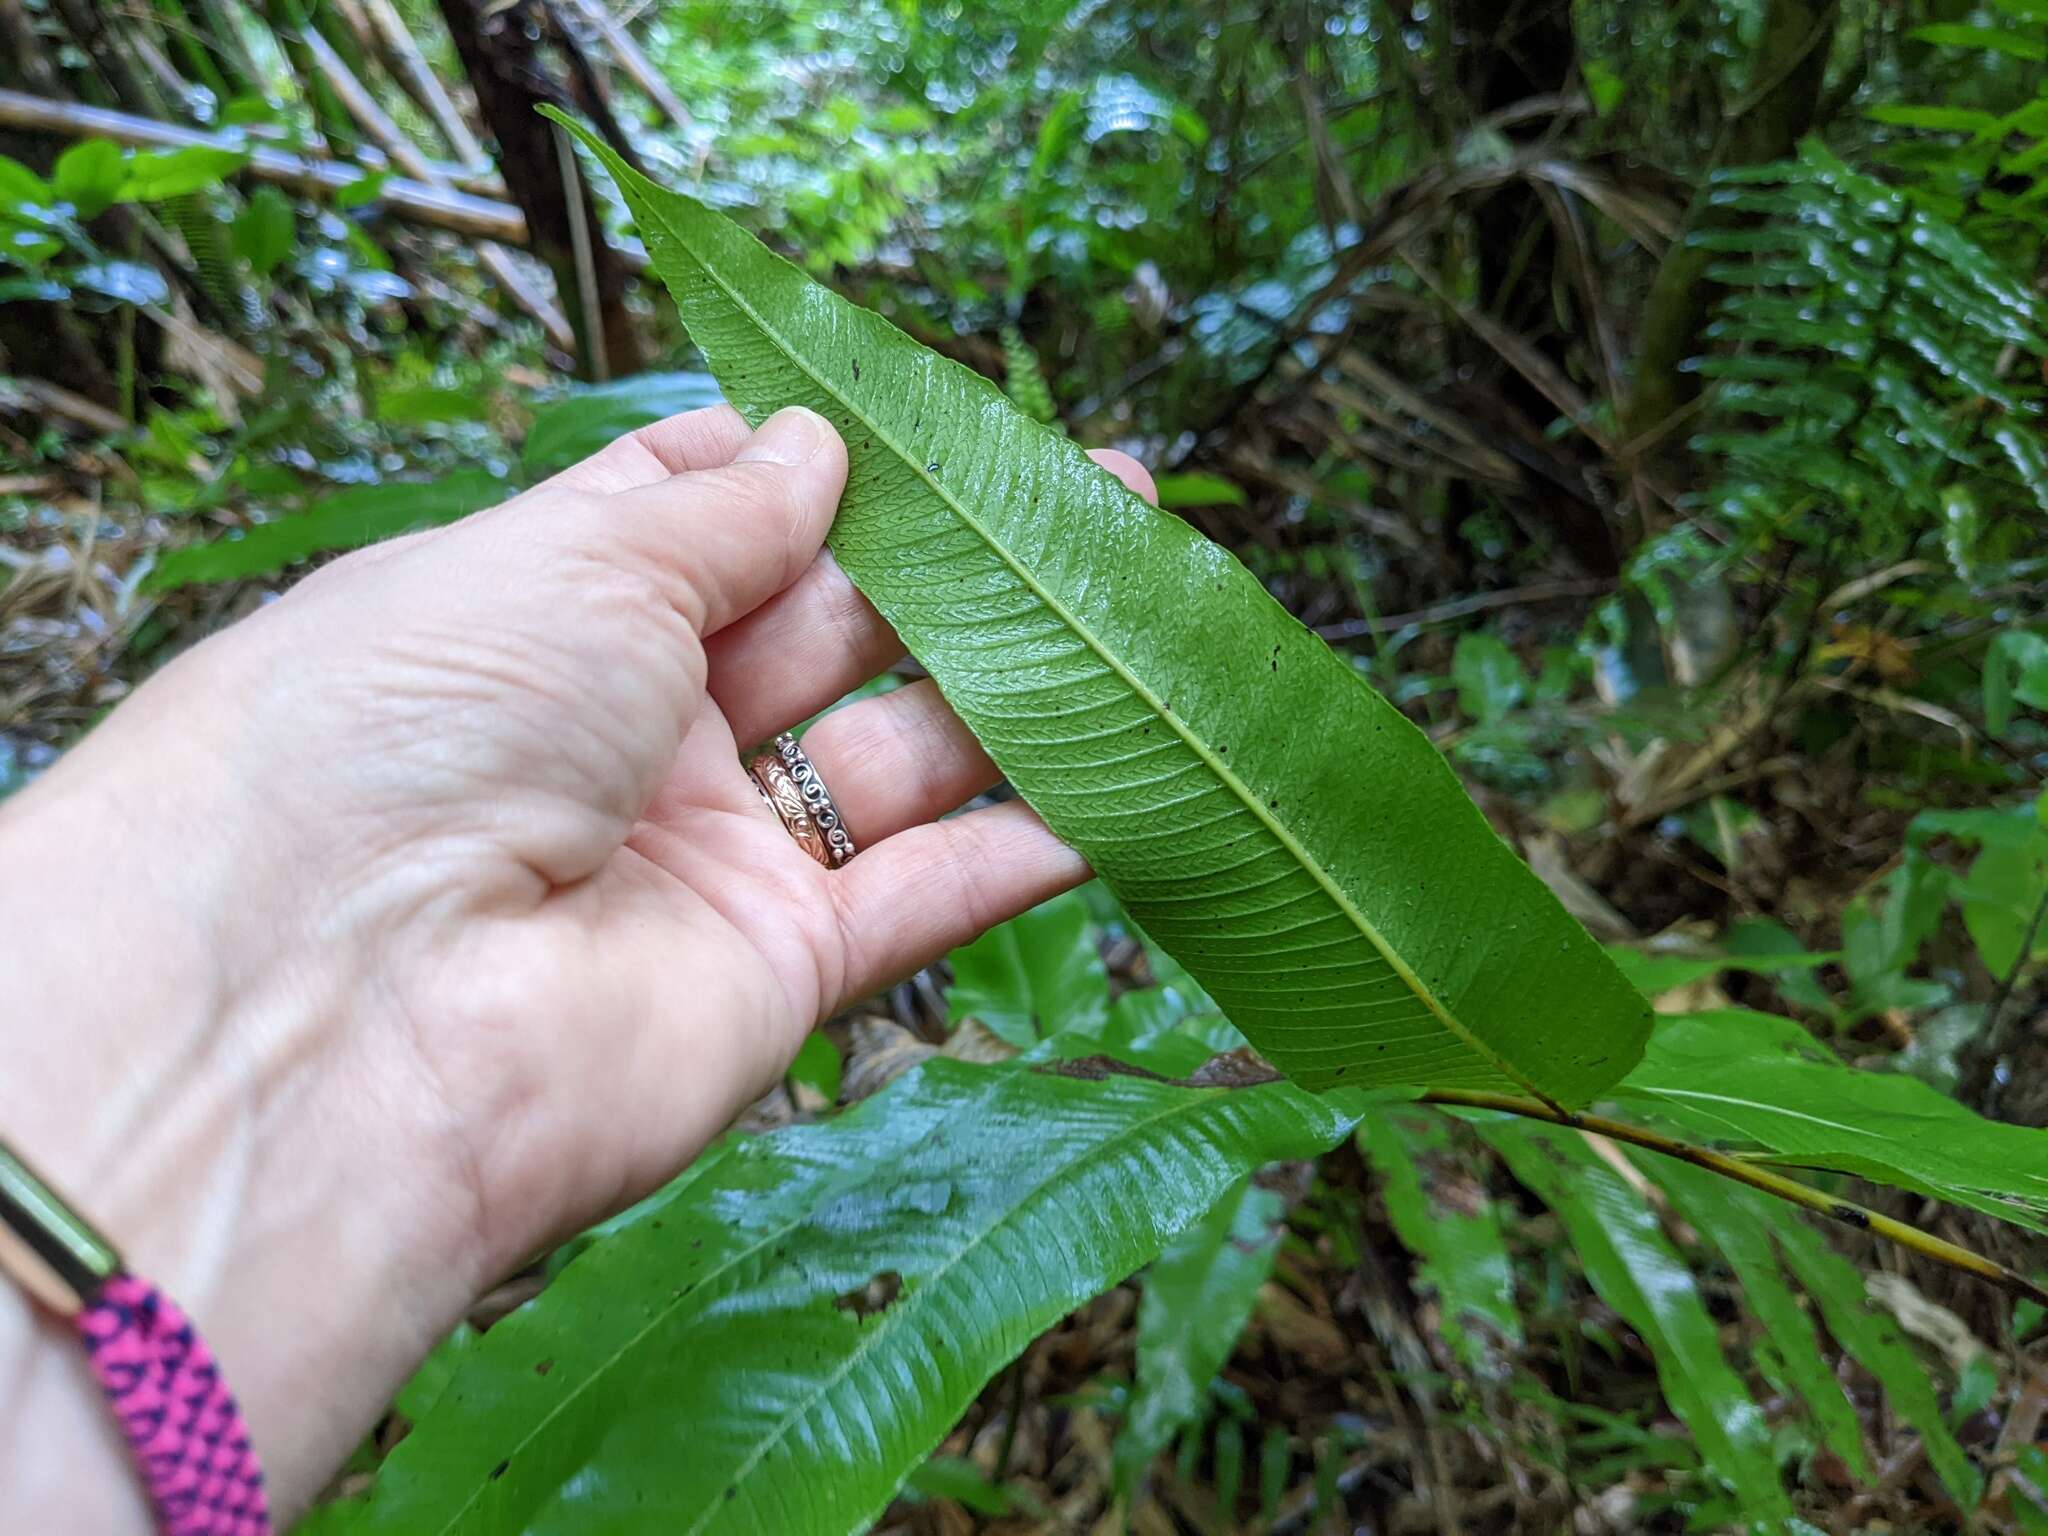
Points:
(223, 1122)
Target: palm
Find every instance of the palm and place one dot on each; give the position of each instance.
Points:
(677, 945)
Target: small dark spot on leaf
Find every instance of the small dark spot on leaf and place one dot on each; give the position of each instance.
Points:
(500, 1470)
(856, 370)
(542, 1367)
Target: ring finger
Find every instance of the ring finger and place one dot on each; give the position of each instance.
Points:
(897, 760)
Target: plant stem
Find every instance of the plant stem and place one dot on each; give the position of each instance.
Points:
(1909, 1237)
(1981, 1084)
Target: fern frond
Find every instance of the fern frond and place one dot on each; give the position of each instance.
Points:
(1023, 379)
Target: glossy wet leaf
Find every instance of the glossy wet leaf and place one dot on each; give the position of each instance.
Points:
(1756, 1081)
(1036, 975)
(777, 1343)
(1462, 1250)
(1266, 817)
(1636, 1271)
(1198, 1296)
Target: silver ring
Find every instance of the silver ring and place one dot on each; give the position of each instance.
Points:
(817, 799)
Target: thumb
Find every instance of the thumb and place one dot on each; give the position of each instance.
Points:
(734, 536)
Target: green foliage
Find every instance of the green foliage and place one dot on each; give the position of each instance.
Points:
(344, 520)
(1028, 978)
(1760, 1082)
(818, 1066)
(993, 547)
(265, 231)
(2015, 672)
(1887, 928)
(1024, 380)
(1145, 197)
(1635, 1269)
(43, 236)
(590, 416)
(1866, 371)
(851, 1285)
(778, 1341)
(1773, 1257)
(1461, 1250)
(1198, 1296)
(1198, 489)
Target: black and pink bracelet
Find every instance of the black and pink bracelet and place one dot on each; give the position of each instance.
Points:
(183, 1429)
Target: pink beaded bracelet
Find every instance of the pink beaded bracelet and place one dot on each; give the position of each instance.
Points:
(183, 1429)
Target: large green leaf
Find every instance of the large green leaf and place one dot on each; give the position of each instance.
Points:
(778, 1343)
(1637, 1272)
(1463, 1251)
(1754, 1079)
(1033, 976)
(1271, 821)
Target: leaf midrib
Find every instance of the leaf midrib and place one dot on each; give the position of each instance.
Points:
(912, 1302)
(612, 1359)
(1214, 763)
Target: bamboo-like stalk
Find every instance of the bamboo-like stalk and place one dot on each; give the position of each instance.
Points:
(1912, 1238)
(497, 261)
(409, 67)
(638, 67)
(443, 207)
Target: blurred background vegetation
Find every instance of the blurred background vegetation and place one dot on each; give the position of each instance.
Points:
(1645, 393)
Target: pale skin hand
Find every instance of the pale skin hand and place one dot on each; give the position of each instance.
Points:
(428, 914)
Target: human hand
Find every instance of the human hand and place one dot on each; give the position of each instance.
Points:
(428, 914)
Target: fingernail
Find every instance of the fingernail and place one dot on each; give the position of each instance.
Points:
(788, 437)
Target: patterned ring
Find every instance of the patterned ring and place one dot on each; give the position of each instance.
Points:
(817, 798)
(779, 790)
